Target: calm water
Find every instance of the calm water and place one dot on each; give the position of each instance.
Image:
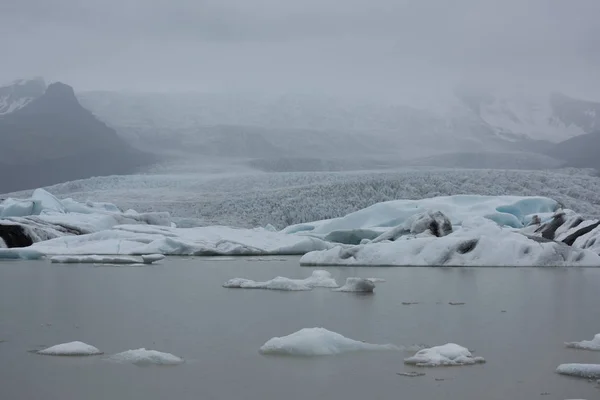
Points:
(181, 308)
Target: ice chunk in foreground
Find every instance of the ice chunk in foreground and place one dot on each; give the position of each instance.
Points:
(146, 357)
(71, 349)
(593, 344)
(319, 278)
(98, 259)
(357, 285)
(449, 354)
(317, 342)
(580, 370)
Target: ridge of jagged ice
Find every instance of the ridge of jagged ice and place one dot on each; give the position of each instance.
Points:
(478, 242)
(593, 344)
(71, 349)
(449, 354)
(317, 342)
(512, 211)
(97, 259)
(360, 285)
(142, 356)
(150, 239)
(318, 278)
(589, 371)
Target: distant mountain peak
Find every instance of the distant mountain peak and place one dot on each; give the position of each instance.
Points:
(19, 93)
(58, 98)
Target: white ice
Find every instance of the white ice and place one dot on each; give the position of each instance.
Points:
(478, 242)
(593, 344)
(146, 357)
(71, 349)
(357, 285)
(99, 259)
(319, 278)
(449, 354)
(513, 211)
(317, 342)
(589, 371)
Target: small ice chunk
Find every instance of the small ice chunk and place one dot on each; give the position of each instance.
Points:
(277, 283)
(317, 342)
(590, 371)
(449, 354)
(70, 349)
(319, 278)
(146, 357)
(593, 344)
(150, 258)
(357, 285)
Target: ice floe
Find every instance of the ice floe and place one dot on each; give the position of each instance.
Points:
(71, 349)
(98, 259)
(318, 278)
(317, 342)
(146, 357)
(449, 354)
(589, 371)
(357, 285)
(593, 344)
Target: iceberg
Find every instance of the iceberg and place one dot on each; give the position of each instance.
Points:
(146, 357)
(478, 242)
(357, 285)
(593, 344)
(449, 354)
(319, 278)
(512, 211)
(589, 371)
(96, 259)
(317, 342)
(71, 349)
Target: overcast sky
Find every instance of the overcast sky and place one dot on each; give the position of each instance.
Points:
(373, 48)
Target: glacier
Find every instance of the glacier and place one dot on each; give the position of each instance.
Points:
(462, 230)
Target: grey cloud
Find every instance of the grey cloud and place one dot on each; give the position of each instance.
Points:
(373, 46)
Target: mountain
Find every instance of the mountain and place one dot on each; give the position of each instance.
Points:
(20, 93)
(582, 151)
(551, 117)
(53, 139)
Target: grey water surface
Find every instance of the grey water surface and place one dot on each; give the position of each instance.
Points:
(518, 319)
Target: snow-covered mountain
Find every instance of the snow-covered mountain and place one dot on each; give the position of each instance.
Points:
(554, 117)
(477, 117)
(20, 93)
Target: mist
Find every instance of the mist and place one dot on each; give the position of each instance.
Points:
(383, 49)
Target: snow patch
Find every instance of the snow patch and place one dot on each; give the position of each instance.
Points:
(317, 342)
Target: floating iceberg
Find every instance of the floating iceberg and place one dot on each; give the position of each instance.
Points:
(71, 349)
(449, 354)
(513, 211)
(589, 371)
(593, 344)
(317, 342)
(357, 285)
(478, 242)
(319, 278)
(146, 357)
(96, 259)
